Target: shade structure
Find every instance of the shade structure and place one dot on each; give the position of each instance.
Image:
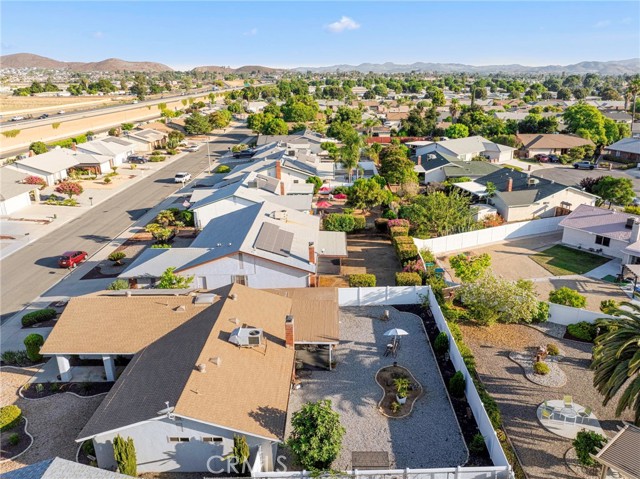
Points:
(396, 332)
(323, 204)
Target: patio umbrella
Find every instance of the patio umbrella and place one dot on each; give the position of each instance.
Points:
(323, 204)
(340, 196)
(325, 190)
(396, 332)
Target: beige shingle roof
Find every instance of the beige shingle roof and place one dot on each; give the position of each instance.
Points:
(535, 140)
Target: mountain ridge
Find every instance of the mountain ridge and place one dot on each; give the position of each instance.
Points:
(30, 60)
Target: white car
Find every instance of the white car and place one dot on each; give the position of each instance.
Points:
(192, 148)
(182, 177)
(61, 112)
(17, 118)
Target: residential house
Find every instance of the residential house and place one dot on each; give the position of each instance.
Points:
(519, 196)
(619, 116)
(14, 194)
(118, 149)
(627, 149)
(202, 369)
(55, 165)
(465, 149)
(268, 246)
(147, 139)
(548, 144)
(610, 232)
(58, 468)
(437, 167)
(304, 139)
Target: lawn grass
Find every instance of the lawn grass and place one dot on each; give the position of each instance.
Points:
(560, 260)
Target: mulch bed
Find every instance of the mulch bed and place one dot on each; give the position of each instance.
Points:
(8, 450)
(465, 417)
(49, 389)
(385, 379)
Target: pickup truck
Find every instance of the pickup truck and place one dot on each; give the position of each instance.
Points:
(584, 165)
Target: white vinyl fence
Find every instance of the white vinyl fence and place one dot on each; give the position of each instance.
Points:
(495, 472)
(382, 295)
(475, 239)
(560, 314)
(475, 403)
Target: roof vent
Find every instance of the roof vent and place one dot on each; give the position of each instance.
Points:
(128, 294)
(233, 297)
(217, 360)
(246, 337)
(201, 367)
(280, 215)
(629, 223)
(180, 309)
(205, 298)
(431, 156)
(532, 181)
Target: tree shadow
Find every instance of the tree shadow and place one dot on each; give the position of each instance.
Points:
(270, 418)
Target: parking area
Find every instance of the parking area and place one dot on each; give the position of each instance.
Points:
(428, 437)
(568, 175)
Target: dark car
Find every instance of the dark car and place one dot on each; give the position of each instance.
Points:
(137, 159)
(43, 116)
(554, 159)
(243, 154)
(70, 259)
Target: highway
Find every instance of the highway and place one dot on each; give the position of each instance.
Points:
(31, 271)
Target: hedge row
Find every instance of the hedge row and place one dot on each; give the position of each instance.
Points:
(408, 279)
(9, 416)
(398, 231)
(362, 280)
(344, 222)
(38, 316)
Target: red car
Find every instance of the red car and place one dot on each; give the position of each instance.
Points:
(70, 259)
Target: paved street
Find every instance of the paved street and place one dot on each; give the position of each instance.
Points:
(31, 271)
(567, 175)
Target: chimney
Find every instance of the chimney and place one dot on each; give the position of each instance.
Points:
(282, 193)
(312, 253)
(635, 232)
(278, 170)
(419, 160)
(74, 147)
(30, 153)
(288, 332)
(510, 184)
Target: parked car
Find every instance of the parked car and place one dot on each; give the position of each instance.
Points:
(584, 165)
(542, 158)
(243, 154)
(182, 177)
(140, 160)
(554, 159)
(61, 112)
(192, 148)
(17, 118)
(70, 259)
(636, 201)
(43, 116)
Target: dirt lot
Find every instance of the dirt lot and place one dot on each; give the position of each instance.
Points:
(371, 253)
(9, 104)
(594, 290)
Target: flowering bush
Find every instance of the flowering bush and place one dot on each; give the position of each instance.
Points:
(69, 188)
(35, 180)
(399, 222)
(413, 267)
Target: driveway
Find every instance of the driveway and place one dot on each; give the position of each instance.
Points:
(568, 175)
(54, 421)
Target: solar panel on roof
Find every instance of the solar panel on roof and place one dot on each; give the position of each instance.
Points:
(273, 239)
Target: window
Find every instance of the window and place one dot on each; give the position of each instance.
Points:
(179, 439)
(603, 240)
(211, 439)
(296, 181)
(240, 279)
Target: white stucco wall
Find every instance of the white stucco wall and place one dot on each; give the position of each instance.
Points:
(578, 238)
(155, 453)
(49, 178)
(545, 208)
(435, 176)
(11, 205)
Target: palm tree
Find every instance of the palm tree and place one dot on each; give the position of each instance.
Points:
(369, 123)
(616, 359)
(454, 109)
(348, 155)
(633, 89)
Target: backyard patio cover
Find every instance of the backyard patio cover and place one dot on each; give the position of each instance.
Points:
(621, 453)
(473, 188)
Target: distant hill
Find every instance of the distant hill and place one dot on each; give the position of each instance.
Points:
(244, 69)
(29, 60)
(619, 67)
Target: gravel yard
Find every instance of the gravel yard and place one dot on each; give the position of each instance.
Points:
(541, 452)
(54, 421)
(429, 437)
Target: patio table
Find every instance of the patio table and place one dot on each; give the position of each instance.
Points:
(569, 413)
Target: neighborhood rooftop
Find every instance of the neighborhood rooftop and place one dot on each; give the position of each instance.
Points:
(609, 223)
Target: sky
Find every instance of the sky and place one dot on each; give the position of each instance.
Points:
(314, 33)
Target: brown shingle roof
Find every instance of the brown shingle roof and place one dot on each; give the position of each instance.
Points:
(622, 453)
(553, 141)
(248, 391)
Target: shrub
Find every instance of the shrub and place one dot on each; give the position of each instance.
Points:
(39, 316)
(316, 182)
(35, 180)
(552, 349)
(542, 314)
(362, 280)
(118, 284)
(156, 158)
(406, 252)
(124, 453)
(160, 246)
(339, 222)
(9, 416)
(477, 444)
(88, 448)
(15, 358)
(583, 331)
(408, 279)
(398, 230)
(381, 225)
(222, 169)
(106, 180)
(457, 384)
(389, 215)
(541, 368)
(33, 343)
(360, 223)
(567, 297)
(11, 133)
(186, 217)
(348, 211)
(414, 266)
(441, 344)
(69, 188)
(399, 222)
(117, 257)
(14, 439)
(608, 305)
(587, 443)
(427, 255)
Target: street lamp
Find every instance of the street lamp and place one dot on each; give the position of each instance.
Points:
(91, 200)
(208, 154)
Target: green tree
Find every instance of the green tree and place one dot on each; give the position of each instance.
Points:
(124, 452)
(316, 182)
(240, 451)
(174, 138)
(197, 124)
(439, 214)
(615, 190)
(567, 297)
(615, 359)
(316, 437)
(275, 126)
(470, 267)
(586, 444)
(395, 167)
(220, 119)
(170, 280)
(366, 194)
(69, 188)
(563, 94)
(457, 130)
(587, 121)
(38, 147)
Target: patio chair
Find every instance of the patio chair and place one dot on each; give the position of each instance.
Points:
(568, 401)
(546, 406)
(546, 414)
(585, 413)
(389, 350)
